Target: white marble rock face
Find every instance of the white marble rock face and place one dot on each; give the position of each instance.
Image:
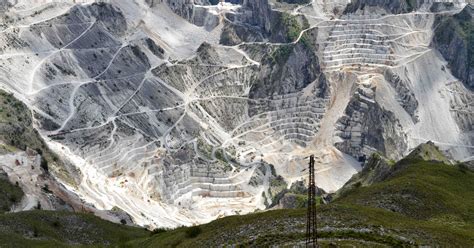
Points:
(176, 111)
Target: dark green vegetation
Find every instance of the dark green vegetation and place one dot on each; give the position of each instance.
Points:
(281, 54)
(10, 194)
(16, 128)
(418, 202)
(294, 58)
(41, 228)
(292, 26)
(17, 133)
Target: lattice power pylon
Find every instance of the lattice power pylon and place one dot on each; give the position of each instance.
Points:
(311, 221)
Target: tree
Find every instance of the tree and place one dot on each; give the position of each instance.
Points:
(193, 231)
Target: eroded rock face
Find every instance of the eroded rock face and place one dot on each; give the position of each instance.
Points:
(183, 8)
(195, 111)
(259, 13)
(454, 38)
(195, 11)
(253, 22)
(405, 95)
(367, 127)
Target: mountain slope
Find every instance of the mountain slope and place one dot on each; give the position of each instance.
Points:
(454, 37)
(424, 203)
(379, 168)
(30, 173)
(40, 228)
(18, 133)
(177, 111)
(26, 183)
(9, 193)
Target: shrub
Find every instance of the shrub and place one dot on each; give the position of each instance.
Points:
(56, 224)
(158, 230)
(35, 232)
(357, 185)
(13, 198)
(463, 167)
(193, 231)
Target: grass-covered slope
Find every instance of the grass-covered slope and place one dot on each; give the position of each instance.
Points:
(10, 194)
(62, 229)
(431, 199)
(420, 203)
(16, 129)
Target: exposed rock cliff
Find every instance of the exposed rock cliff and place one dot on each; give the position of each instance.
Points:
(195, 11)
(259, 14)
(368, 127)
(454, 38)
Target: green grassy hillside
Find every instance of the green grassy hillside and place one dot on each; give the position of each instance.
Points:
(41, 228)
(421, 203)
(10, 194)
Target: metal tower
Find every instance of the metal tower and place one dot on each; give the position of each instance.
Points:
(311, 221)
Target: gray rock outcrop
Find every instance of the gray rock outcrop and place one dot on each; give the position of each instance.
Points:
(390, 6)
(454, 38)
